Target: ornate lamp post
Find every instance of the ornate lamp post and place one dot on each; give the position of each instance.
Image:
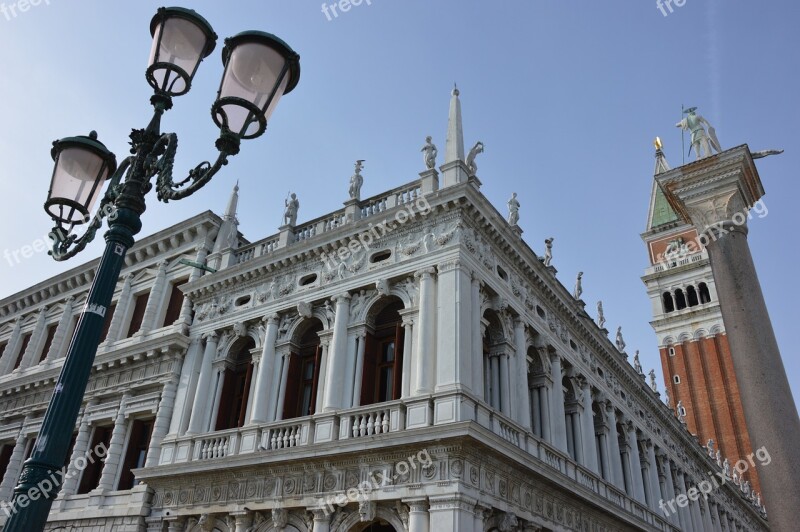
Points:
(259, 69)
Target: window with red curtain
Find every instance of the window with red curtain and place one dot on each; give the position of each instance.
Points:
(236, 388)
(48, 342)
(139, 306)
(136, 454)
(107, 323)
(91, 474)
(25, 341)
(175, 304)
(303, 375)
(382, 373)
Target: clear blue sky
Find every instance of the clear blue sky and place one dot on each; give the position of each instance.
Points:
(566, 96)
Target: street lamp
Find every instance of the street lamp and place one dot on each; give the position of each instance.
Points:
(259, 69)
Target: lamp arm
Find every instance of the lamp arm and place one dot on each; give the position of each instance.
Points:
(66, 245)
(164, 151)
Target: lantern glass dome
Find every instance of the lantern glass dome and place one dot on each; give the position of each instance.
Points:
(259, 69)
(81, 166)
(181, 39)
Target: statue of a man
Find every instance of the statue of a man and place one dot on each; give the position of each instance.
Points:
(513, 209)
(653, 385)
(356, 181)
(681, 411)
(601, 318)
(576, 293)
(726, 468)
(702, 141)
(290, 212)
(548, 251)
(718, 457)
(620, 340)
(710, 447)
(666, 397)
(637, 365)
(476, 149)
(429, 153)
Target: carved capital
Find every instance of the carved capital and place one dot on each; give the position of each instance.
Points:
(425, 273)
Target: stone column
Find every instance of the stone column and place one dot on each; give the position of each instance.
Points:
(452, 512)
(613, 447)
(323, 368)
(505, 384)
(418, 518)
(635, 463)
(155, 300)
(187, 387)
(14, 466)
(494, 371)
(121, 311)
(426, 332)
(265, 368)
(37, 339)
(694, 509)
(196, 273)
(10, 352)
(705, 510)
(652, 475)
(453, 321)
(114, 454)
(684, 515)
(536, 409)
(716, 196)
(557, 416)
(219, 380)
(322, 520)
(714, 507)
(174, 524)
(670, 488)
(587, 428)
(61, 338)
(477, 340)
(199, 408)
(242, 520)
(285, 356)
(81, 447)
(161, 423)
(362, 343)
(522, 392)
(337, 356)
(408, 344)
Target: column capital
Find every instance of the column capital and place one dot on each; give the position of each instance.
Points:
(418, 504)
(425, 273)
(212, 336)
(271, 319)
(342, 298)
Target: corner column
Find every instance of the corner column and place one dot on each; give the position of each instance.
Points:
(337, 355)
(557, 415)
(587, 428)
(265, 368)
(426, 330)
(203, 385)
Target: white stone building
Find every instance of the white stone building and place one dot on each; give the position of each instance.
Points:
(426, 374)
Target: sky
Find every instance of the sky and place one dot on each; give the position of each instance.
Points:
(567, 97)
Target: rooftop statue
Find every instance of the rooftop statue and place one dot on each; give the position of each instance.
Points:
(701, 141)
(356, 181)
(601, 318)
(429, 153)
(513, 209)
(478, 148)
(292, 205)
(548, 251)
(578, 286)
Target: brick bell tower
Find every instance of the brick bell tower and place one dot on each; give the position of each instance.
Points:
(695, 356)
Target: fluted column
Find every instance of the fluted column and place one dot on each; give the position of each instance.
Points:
(418, 518)
(477, 341)
(684, 514)
(705, 510)
(408, 348)
(242, 521)
(155, 300)
(161, 424)
(505, 384)
(219, 381)
(187, 387)
(669, 485)
(199, 408)
(121, 311)
(557, 415)
(14, 466)
(494, 372)
(285, 356)
(10, 352)
(694, 508)
(522, 395)
(613, 447)
(37, 339)
(587, 428)
(79, 449)
(362, 341)
(635, 463)
(114, 454)
(61, 337)
(265, 368)
(324, 344)
(425, 352)
(547, 424)
(337, 356)
(652, 469)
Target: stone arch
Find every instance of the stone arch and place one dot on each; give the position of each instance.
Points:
(301, 327)
(699, 334)
(497, 329)
(716, 329)
(667, 341)
(376, 304)
(352, 523)
(684, 337)
(231, 340)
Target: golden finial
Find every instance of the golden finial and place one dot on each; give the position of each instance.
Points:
(657, 143)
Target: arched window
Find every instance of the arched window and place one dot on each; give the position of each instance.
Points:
(236, 386)
(302, 377)
(691, 295)
(669, 305)
(381, 379)
(705, 296)
(680, 300)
